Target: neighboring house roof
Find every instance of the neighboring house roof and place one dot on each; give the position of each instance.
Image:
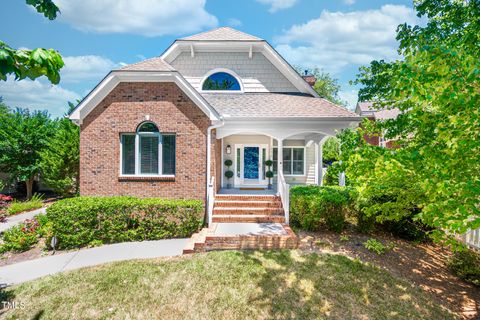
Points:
(152, 64)
(363, 107)
(366, 109)
(221, 34)
(274, 105)
(387, 114)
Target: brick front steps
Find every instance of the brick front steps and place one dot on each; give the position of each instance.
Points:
(257, 218)
(244, 222)
(222, 236)
(248, 208)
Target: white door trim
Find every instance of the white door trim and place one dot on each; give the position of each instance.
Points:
(239, 181)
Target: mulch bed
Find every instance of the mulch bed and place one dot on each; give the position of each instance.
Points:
(423, 264)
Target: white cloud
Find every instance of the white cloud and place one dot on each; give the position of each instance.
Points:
(234, 22)
(80, 71)
(276, 5)
(85, 68)
(351, 96)
(144, 17)
(349, 2)
(337, 39)
(37, 95)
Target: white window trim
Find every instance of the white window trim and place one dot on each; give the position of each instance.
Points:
(304, 161)
(137, 155)
(216, 70)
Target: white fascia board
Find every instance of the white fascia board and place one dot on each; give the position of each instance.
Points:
(115, 77)
(180, 46)
(283, 129)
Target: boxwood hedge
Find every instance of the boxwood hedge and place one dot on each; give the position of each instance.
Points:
(81, 221)
(314, 206)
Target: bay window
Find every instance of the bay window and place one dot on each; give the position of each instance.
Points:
(293, 160)
(147, 152)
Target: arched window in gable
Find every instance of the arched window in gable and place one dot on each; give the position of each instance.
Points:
(221, 81)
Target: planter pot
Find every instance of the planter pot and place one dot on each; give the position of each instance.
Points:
(269, 186)
(229, 186)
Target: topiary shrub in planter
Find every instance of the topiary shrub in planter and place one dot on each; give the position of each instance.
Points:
(229, 173)
(81, 221)
(314, 206)
(269, 173)
(465, 264)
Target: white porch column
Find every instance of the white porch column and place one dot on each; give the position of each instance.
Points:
(279, 155)
(319, 158)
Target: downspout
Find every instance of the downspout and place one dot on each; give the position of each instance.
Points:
(209, 159)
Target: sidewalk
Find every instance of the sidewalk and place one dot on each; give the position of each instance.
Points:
(19, 218)
(29, 270)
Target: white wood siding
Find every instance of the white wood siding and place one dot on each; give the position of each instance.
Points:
(258, 74)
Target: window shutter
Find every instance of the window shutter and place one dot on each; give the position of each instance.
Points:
(128, 153)
(149, 154)
(168, 154)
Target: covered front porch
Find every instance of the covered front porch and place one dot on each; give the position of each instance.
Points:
(255, 160)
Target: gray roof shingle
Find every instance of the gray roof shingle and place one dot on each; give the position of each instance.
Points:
(274, 105)
(152, 64)
(222, 34)
(367, 109)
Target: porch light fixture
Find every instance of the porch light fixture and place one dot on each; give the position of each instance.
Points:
(229, 149)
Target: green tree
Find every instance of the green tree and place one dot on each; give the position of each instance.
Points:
(331, 149)
(436, 85)
(32, 63)
(23, 136)
(326, 86)
(61, 159)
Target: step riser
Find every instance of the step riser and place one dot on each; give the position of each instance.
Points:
(248, 204)
(249, 246)
(247, 211)
(247, 197)
(243, 219)
(254, 243)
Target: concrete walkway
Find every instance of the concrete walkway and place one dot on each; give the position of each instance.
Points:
(19, 218)
(29, 270)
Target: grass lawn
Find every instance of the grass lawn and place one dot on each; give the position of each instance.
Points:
(226, 285)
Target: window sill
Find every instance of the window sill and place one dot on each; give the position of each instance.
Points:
(146, 178)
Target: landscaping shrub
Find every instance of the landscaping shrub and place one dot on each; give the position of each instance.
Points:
(407, 229)
(465, 264)
(365, 224)
(313, 206)
(81, 221)
(376, 246)
(34, 203)
(4, 204)
(20, 237)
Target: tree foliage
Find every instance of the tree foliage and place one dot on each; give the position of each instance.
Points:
(331, 149)
(61, 159)
(23, 63)
(326, 86)
(23, 136)
(436, 86)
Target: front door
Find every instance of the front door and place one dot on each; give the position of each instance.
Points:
(249, 164)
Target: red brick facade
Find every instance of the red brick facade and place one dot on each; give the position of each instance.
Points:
(373, 140)
(121, 112)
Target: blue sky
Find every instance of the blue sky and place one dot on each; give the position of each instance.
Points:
(95, 36)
